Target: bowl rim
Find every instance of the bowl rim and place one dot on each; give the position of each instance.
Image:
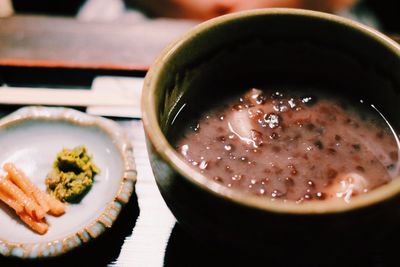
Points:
(164, 149)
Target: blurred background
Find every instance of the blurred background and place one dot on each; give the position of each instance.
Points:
(383, 11)
(129, 34)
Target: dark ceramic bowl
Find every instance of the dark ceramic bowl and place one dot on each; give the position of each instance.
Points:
(280, 47)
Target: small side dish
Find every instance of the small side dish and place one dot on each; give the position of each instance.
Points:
(72, 175)
(27, 200)
(42, 133)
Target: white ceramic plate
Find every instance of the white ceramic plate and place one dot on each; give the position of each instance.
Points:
(31, 138)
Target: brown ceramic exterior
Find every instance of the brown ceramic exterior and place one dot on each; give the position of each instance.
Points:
(211, 211)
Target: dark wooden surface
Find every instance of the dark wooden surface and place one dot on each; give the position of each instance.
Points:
(125, 44)
(66, 42)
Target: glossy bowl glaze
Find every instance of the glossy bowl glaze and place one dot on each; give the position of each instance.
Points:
(273, 45)
(31, 138)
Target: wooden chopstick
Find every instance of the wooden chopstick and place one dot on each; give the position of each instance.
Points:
(64, 97)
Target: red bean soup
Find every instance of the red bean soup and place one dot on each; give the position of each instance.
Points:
(294, 147)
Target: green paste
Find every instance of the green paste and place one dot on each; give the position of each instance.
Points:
(72, 175)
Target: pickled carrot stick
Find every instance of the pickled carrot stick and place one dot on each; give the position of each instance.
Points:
(30, 206)
(57, 208)
(39, 226)
(12, 203)
(19, 178)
